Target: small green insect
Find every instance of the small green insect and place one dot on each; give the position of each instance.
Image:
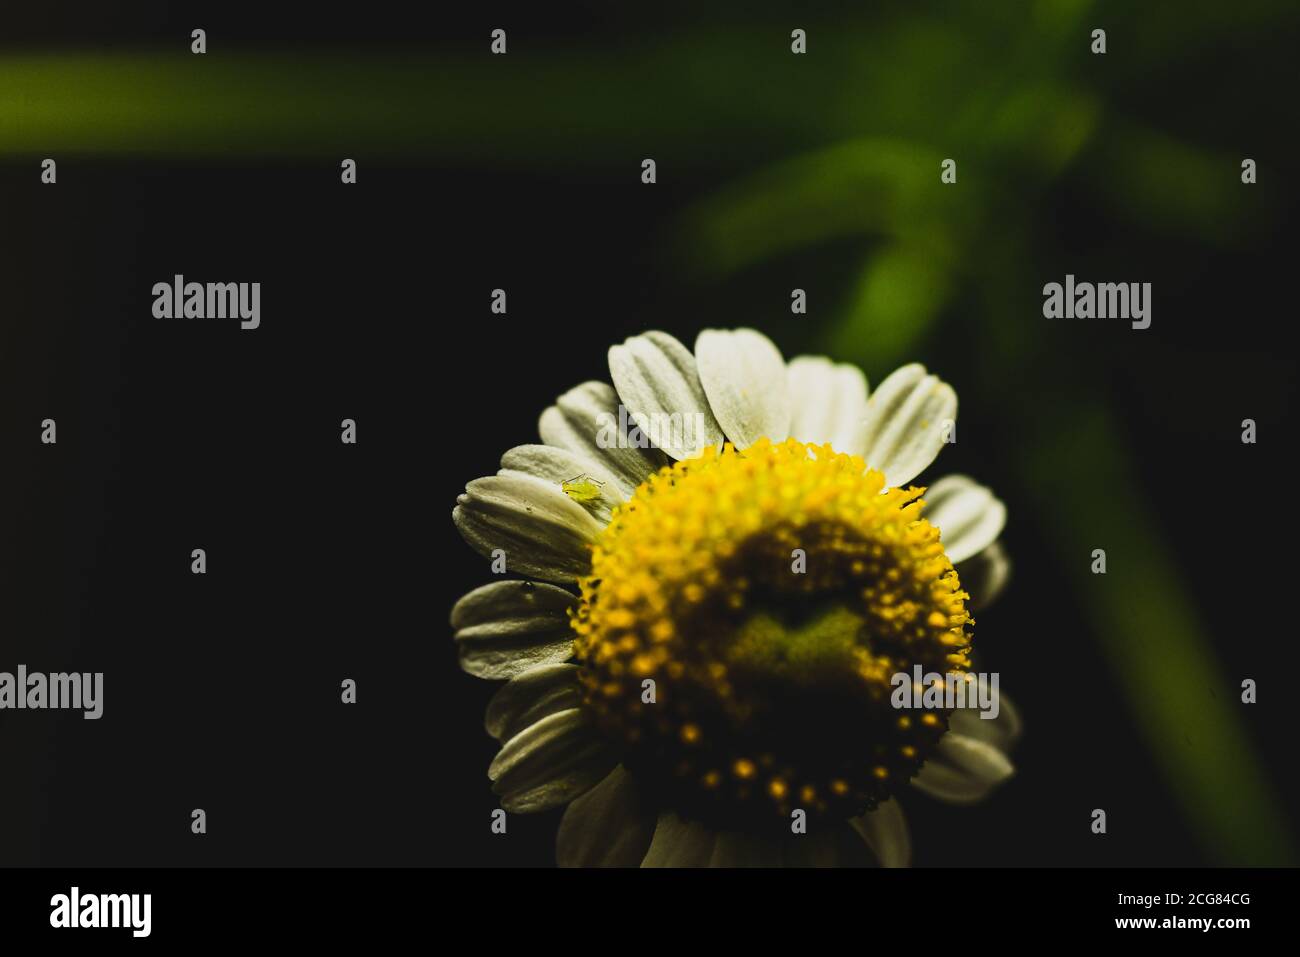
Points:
(582, 488)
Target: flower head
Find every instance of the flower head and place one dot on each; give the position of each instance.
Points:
(751, 573)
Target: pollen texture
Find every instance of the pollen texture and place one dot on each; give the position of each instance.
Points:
(744, 617)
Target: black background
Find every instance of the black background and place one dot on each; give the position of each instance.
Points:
(328, 561)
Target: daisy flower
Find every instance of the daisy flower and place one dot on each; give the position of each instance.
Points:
(725, 567)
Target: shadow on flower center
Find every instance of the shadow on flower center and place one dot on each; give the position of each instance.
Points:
(743, 619)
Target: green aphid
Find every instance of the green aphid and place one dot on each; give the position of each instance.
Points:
(582, 488)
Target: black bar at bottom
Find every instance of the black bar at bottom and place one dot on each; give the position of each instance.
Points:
(584, 908)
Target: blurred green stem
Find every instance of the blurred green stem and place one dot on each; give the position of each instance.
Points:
(1189, 713)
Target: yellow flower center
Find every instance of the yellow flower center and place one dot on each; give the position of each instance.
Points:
(743, 619)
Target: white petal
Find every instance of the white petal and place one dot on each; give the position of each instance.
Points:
(963, 770)
(606, 827)
(550, 763)
(1001, 731)
(886, 833)
(908, 420)
(557, 466)
(967, 515)
(744, 377)
(679, 843)
(829, 403)
(544, 533)
(656, 379)
(585, 420)
(531, 696)
(507, 627)
(733, 849)
(825, 846)
(985, 575)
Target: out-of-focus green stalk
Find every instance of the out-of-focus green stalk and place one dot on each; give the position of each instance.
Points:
(1188, 710)
(574, 105)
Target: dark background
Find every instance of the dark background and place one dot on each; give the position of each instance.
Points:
(328, 561)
